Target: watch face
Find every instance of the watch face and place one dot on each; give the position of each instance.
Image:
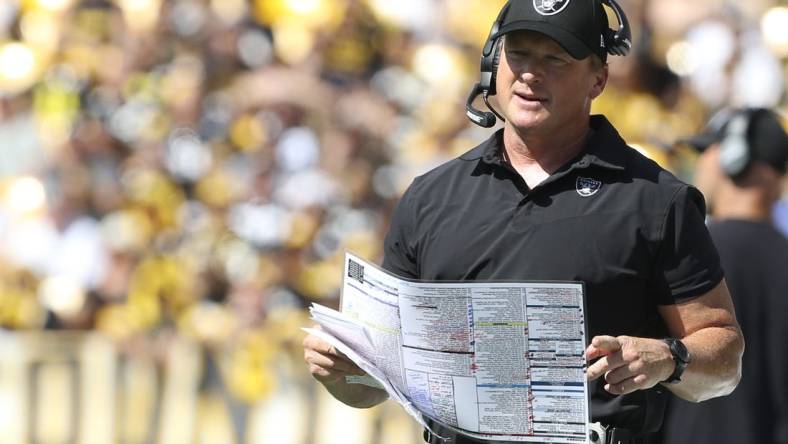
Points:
(680, 350)
(680, 355)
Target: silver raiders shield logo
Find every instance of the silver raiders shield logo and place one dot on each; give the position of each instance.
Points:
(587, 187)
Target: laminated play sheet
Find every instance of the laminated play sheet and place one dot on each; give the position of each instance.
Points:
(493, 360)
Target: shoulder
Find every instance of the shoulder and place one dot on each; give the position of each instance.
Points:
(641, 183)
(667, 193)
(649, 175)
(642, 174)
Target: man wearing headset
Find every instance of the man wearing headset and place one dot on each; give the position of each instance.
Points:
(557, 195)
(741, 172)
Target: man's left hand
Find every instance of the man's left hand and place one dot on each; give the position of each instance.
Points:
(629, 363)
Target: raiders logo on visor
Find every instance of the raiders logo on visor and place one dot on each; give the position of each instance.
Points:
(550, 7)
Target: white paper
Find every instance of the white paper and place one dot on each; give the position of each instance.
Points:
(502, 361)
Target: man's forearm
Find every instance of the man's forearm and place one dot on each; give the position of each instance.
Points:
(355, 395)
(715, 369)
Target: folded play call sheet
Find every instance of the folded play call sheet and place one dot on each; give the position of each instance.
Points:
(494, 360)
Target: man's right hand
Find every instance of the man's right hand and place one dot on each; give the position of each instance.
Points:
(326, 363)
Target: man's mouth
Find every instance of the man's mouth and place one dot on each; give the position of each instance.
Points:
(531, 97)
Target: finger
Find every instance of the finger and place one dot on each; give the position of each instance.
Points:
(605, 344)
(316, 346)
(604, 365)
(597, 369)
(628, 385)
(332, 363)
(314, 343)
(625, 371)
(601, 346)
(331, 374)
(321, 373)
(618, 375)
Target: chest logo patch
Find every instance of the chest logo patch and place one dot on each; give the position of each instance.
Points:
(587, 187)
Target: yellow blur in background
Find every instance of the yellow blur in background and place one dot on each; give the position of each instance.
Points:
(179, 180)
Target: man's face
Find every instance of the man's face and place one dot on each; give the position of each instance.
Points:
(716, 186)
(541, 88)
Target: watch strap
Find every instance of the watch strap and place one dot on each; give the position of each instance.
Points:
(680, 357)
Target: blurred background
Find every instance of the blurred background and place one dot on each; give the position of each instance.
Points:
(179, 180)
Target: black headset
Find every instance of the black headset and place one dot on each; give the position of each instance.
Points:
(735, 149)
(618, 42)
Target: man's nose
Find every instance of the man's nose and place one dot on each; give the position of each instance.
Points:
(531, 73)
(531, 69)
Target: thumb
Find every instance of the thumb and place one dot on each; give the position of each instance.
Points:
(601, 346)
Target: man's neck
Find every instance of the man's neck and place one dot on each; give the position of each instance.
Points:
(752, 198)
(536, 157)
(750, 205)
(748, 210)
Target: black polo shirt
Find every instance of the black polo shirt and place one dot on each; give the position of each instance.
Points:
(611, 218)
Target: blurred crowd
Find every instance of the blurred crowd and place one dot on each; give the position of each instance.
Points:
(197, 168)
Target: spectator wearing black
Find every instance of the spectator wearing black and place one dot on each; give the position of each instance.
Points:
(741, 171)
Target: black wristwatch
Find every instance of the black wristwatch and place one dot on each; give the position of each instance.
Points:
(681, 357)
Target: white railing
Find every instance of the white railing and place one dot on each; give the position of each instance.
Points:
(79, 388)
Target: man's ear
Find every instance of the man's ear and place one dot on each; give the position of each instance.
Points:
(600, 80)
(708, 174)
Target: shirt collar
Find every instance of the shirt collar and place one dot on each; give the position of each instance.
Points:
(489, 150)
(604, 148)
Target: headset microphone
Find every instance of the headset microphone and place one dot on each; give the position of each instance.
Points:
(485, 119)
(486, 85)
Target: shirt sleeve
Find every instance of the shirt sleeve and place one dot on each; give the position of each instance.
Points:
(399, 246)
(687, 263)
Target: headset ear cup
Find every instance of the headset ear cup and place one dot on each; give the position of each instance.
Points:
(735, 155)
(609, 36)
(618, 42)
(496, 60)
